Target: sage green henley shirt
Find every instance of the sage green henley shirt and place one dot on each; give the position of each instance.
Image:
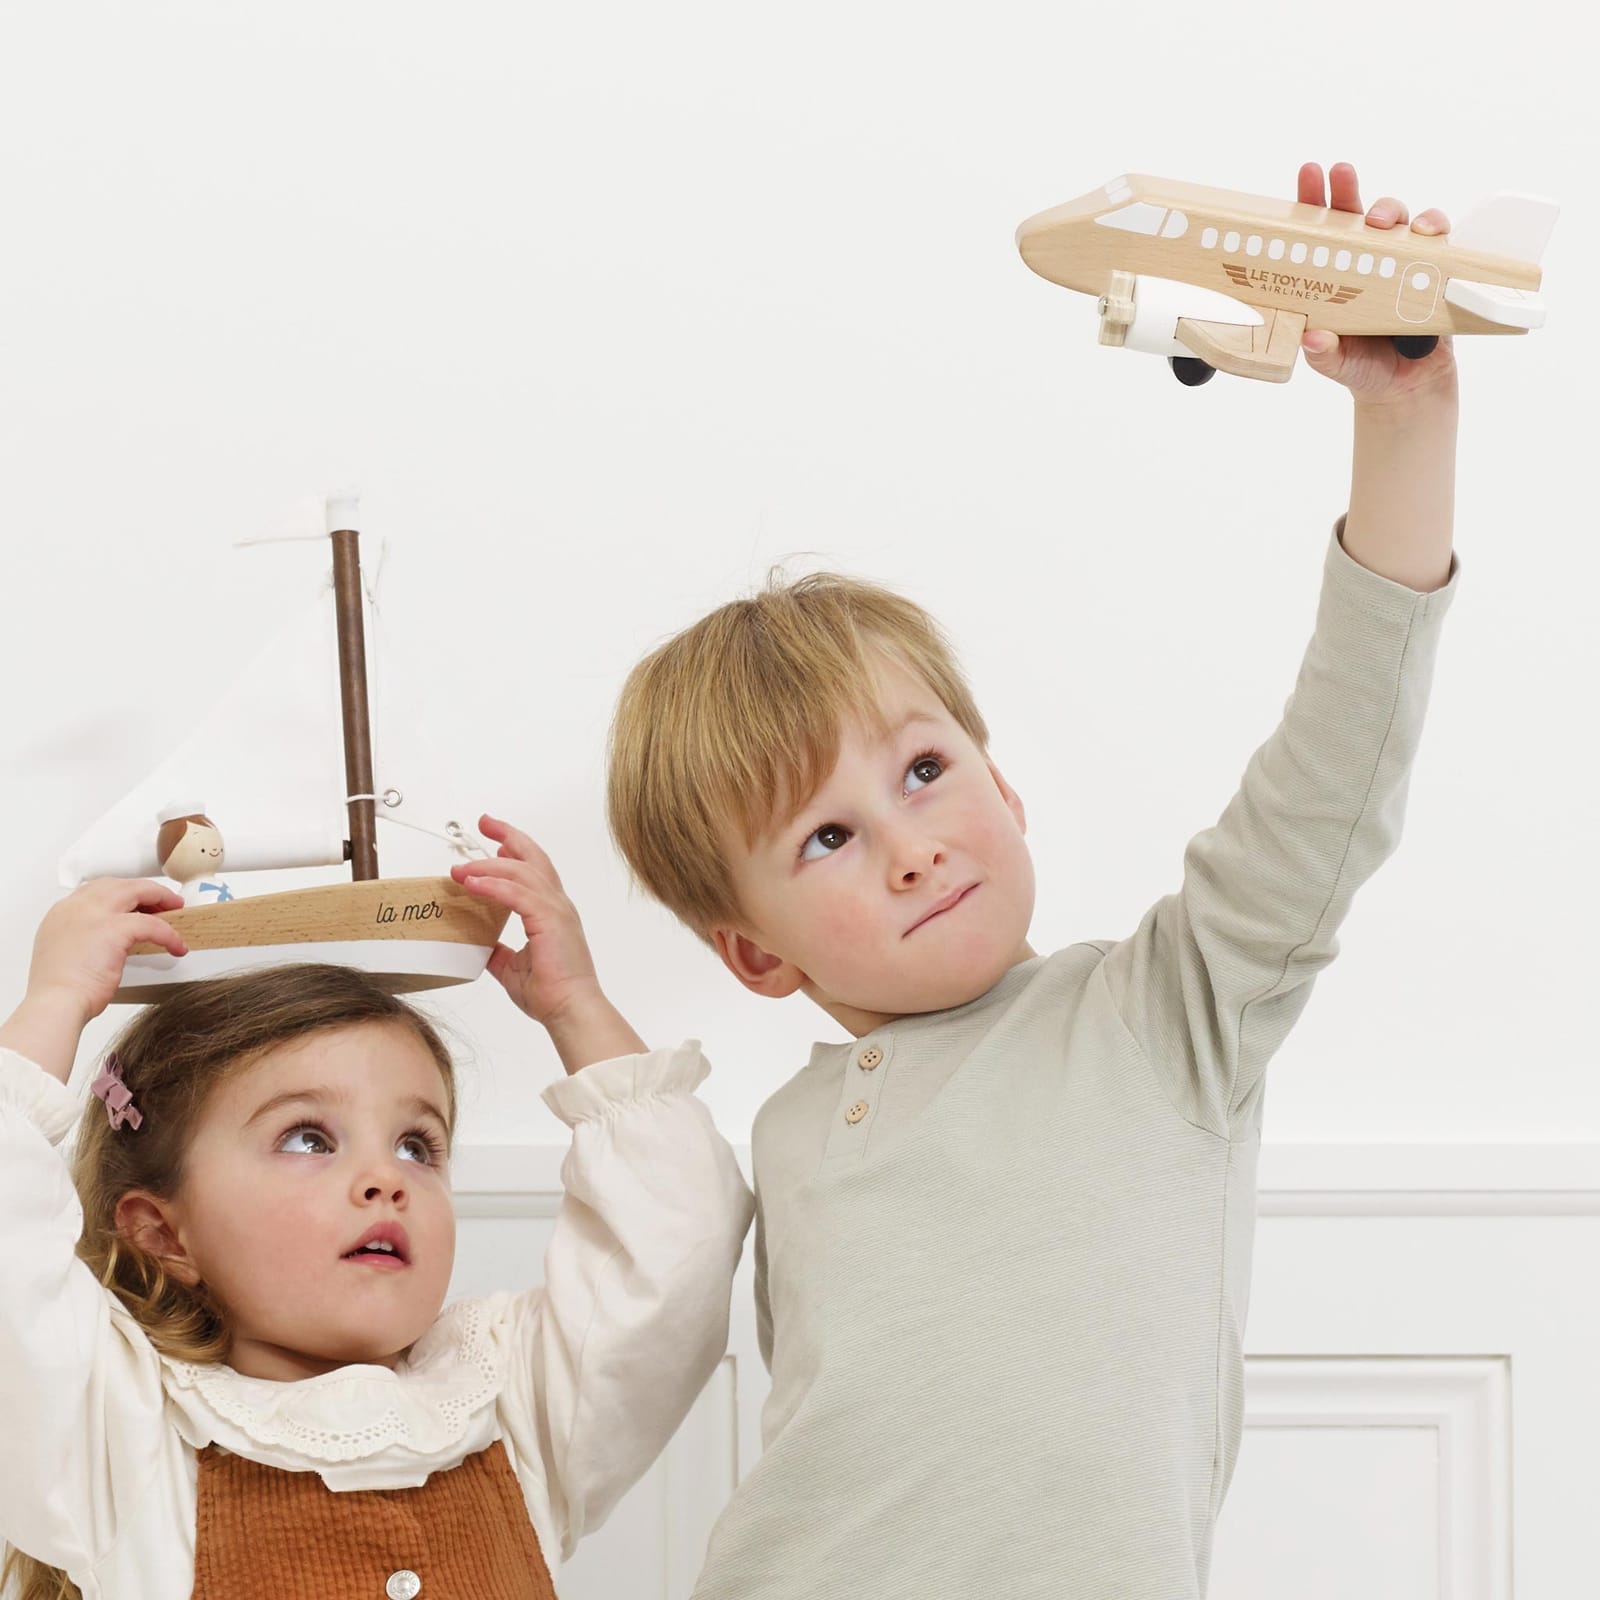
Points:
(1003, 1251)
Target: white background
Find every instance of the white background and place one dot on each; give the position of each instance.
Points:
(607, 308)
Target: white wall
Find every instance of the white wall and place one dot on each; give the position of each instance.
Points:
(608, 307)
(1420, 1390)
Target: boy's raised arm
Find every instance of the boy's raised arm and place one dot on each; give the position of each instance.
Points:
(1402, 478)
(1216, 974)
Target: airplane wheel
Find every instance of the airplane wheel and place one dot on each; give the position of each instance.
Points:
(1416, 347)
(1191, 371)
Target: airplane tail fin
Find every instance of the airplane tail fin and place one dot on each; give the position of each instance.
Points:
(1514, 225)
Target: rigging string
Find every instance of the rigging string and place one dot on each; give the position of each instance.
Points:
(454, 835)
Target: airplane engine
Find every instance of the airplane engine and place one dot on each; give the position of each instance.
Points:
(1141, 313)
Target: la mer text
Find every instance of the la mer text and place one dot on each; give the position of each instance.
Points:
(411, 912)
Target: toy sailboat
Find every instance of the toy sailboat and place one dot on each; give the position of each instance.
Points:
(266, 766)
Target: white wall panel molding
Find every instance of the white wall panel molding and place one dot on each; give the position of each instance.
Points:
(504, 1180)
(1461, 1408)
(1404, 1180)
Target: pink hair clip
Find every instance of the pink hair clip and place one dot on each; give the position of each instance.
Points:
(116, 1094)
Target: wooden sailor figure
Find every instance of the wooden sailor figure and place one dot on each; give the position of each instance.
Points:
(189, 848)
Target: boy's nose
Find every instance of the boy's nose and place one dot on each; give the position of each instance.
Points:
(914, 861)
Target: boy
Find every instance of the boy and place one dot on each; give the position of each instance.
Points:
(1003, 1236)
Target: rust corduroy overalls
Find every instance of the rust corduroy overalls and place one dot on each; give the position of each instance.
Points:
(262, 1533)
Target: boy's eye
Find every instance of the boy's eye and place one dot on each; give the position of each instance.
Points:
(828, 838)
(832, 836)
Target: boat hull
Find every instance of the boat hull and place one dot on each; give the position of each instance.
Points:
(408, 933)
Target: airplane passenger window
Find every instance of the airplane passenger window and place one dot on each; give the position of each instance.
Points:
(1342, 261)
(1319, 257)
(1231, 242)
(1252, 245)
(1275, 250)
(1297, 253)
(1208, 239)
(1364, 265)
(1140, 217)
(1386, 267)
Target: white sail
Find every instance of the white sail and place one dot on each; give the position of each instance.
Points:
(266, 761)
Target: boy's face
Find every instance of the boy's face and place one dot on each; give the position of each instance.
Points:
(903, 885)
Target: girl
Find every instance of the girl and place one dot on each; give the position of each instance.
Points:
(224, 1364)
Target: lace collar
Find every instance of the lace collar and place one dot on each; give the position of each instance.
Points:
(433, 1410)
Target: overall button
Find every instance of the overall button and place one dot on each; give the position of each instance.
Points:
(403, 1585)
(869, 1058)
(856, 1112)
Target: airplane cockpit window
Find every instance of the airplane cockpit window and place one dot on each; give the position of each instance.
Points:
(1140, 217)
(1175, 226)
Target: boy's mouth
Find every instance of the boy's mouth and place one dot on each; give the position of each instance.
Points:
(939, 907)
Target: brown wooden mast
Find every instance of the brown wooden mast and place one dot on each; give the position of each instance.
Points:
(353, 699)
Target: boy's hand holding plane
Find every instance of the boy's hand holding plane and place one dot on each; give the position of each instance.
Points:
(1371, 368)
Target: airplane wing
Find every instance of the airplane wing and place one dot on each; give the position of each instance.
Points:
(1267, 351)
(1496, 302)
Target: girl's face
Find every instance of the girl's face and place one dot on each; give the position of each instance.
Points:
(297, 1159)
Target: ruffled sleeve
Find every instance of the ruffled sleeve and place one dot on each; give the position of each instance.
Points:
(633, 1316)
(84, 1432)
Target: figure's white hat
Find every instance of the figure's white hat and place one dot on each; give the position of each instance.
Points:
(180, 808)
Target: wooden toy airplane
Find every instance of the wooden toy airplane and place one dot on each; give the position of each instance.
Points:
(1216, 280)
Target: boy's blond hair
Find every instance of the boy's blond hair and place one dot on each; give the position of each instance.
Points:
(733, 724)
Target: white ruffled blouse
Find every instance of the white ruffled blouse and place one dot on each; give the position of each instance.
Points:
(99, 1433)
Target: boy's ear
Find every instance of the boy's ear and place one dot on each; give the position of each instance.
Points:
(1010, 796)
(758, 970)
(143, 1220)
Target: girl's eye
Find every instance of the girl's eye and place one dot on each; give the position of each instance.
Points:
(432, 1149)
(828, 838)
(305, 1132)
(923, 771)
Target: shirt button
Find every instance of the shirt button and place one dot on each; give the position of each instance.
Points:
(869, 1058)
(856, 1112)
(403, 1585)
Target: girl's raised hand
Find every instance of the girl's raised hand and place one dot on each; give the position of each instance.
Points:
(78, 955)
(1371, 368)
(553, 972)
(83, 941)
